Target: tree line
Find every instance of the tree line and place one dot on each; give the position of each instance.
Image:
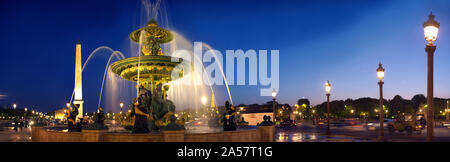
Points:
(369, 107)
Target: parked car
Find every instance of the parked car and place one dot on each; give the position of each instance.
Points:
(408, 123)
(287, 124)
(321, 123)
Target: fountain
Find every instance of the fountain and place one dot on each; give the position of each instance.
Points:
(152, 70)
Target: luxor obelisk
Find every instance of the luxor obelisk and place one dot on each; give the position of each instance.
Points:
(78, 86)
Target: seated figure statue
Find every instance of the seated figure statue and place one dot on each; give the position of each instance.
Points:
(71, 119)
(100, 118)
(140, 111)
(228, 118)
(173, 125)
(266, 121)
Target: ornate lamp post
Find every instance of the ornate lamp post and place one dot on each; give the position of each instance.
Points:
(204, 100)
(430, 28)
(14, 106)
(274, 95)
(327, 90)
(26, 110)
(380, 74)
(121, 107)
(447, 111)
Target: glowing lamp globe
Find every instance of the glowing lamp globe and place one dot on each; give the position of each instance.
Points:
(204, 100)
(328, 87)
(431, 28)
(380, 72)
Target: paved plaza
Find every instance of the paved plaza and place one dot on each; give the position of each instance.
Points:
(9, 134)
(307, 132)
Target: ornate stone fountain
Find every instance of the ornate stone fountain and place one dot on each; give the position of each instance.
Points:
(152, 70)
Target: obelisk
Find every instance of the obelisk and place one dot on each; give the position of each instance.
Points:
(78, 86)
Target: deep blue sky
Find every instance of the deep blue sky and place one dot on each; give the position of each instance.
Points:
(340, 41)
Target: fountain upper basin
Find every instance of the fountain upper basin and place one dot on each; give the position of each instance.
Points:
(151, 68)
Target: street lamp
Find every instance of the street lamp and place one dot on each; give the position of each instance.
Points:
(327, 90)
(204, 100)
(274, 95)
(380, 74)
(121, 107)
(447, 111)
(430, 28)
(14, 106)
(68, 104)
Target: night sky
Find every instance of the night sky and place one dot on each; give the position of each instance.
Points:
(340, 41)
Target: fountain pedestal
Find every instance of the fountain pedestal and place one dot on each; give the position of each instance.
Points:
(35, 133)
(173, 136)
(266, 133)
(93, 135)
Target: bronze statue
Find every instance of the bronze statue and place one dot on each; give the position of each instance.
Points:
(71, 118)
(266, 121)
(228, 118)
(140, 111)
(100, 117)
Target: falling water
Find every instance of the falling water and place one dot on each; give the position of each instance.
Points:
(117, 54)
(104, 75)
(188, 96)
(221, 71)
(184, 96)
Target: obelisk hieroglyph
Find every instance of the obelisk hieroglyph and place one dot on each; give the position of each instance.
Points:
(78, 86)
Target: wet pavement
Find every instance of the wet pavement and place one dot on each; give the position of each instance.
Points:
(307, 132)
(9, 134)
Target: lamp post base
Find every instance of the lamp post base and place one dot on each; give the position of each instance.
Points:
(381, 139)
(328, 133)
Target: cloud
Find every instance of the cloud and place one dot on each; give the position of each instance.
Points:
(3, 96)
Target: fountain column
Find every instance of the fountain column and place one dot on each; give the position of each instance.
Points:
(78, 86)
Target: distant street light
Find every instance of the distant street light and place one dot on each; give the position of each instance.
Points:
(380, 74)
(430, 28)
(14, 106)
(327, 90)
(26, 109)
(274, 95)
(121, 107)
(204, 100)
(68, 104)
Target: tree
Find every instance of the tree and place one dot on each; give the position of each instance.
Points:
(303, 101)
(418, 100)
(398, 104)
(366, 106)
(304, 107)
